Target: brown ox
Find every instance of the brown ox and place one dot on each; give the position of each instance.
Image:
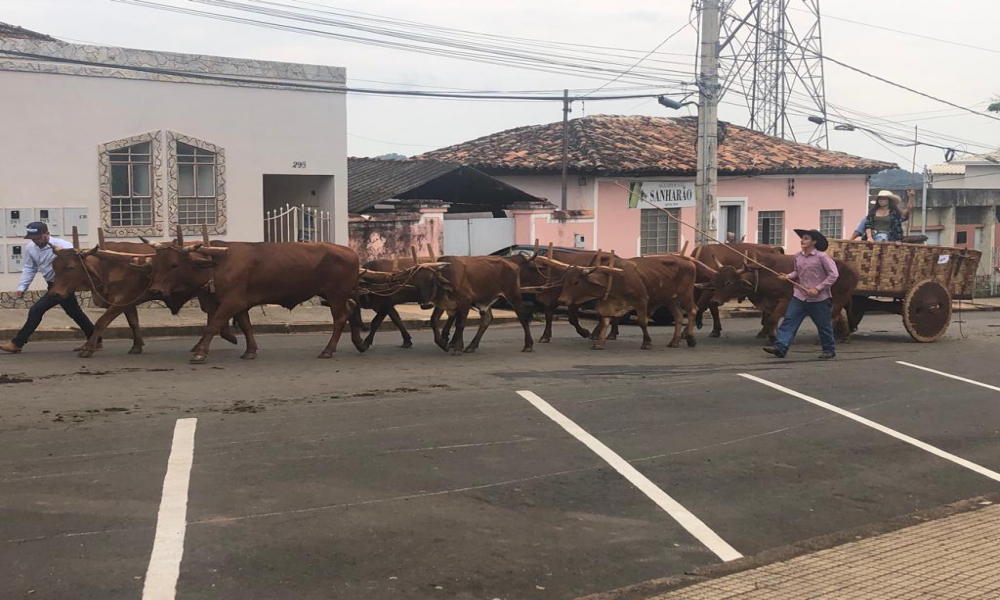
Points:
(417, 285)
(720, 255)
(118, 286)
(467, 282)
(642, 284)
(547, 276)
(773, 294)
(243, 275)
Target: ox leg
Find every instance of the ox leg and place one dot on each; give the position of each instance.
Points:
(398, 322)
(373, 327)
(524, 316)
(678, 324)
(243, 320)
(436, 326)
(574, 319)
(216, 321)
(446, 332)
(550, 313)
(613, 335)
(341, 309)
(691, 308)
(132, 316)
(840, 324)
(716, 320)
(93, 342)
(704, 303)
(460, 317)
(602, 333)
(642, 317)
(485, 318)
(774, 318)
(209, 305)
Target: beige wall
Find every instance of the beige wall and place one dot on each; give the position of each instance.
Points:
(980, 177)
(549, 187)
(52, 125)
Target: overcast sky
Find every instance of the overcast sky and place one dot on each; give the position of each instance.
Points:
(963, 75)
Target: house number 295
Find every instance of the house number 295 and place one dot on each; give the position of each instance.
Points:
(299, 164)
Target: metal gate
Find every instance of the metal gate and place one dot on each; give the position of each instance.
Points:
(298, 224)
(477, 237)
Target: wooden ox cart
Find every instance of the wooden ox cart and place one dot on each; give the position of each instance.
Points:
(913, 280)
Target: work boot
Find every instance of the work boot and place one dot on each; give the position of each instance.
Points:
(10, 347)
(774, 350)
(828, 356)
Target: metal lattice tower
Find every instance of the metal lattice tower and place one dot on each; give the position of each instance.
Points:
(771, 60)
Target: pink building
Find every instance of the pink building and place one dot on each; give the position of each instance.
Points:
(767, 186)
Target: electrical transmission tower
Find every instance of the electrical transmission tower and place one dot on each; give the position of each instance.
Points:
(771, 59)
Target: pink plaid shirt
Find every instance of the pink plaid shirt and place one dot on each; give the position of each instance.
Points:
(814, 270)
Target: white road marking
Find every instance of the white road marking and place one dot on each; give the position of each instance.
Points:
(683, 516)
(891, 432)
(943, 374)
(171, 522)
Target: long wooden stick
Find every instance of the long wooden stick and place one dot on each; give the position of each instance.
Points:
(746, 257)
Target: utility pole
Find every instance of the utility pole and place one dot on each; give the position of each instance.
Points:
(707, 204)
(923, 206)
(565, 146)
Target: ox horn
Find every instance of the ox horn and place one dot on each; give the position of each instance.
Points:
(76, 238)
(555, 262)
(213, 251)
(191, 248)
(718, 265)
(685, 248)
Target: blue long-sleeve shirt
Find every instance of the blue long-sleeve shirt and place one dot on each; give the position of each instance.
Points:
(40, 259)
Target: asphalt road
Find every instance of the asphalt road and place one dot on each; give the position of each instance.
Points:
(413, 474)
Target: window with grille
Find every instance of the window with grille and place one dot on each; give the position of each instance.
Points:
(658, 233)
(196, 190)
(831, 223)
(771, 227)
(969, 215)
(131, 186)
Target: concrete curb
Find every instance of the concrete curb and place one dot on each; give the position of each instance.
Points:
(157, 331)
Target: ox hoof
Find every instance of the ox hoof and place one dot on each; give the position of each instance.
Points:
(646, 347)
(673, 345)
(761, 335)
(583, 333)
(596, 347)
(406, 344)
(229, 338)
(715, 334)
(248, 355)
(135, 350)
(325, 354)
(692, 342)
(470, 350)
(85, 353)
(698, 324)
(527, 349)
(544, 340)
(457, 352)
(197, 359)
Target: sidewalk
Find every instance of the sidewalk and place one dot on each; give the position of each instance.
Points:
(158, 322)
(954, 557)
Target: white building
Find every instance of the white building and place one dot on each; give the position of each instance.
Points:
(138, 142)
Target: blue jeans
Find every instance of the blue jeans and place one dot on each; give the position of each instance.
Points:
(797, 311)
(69, 305)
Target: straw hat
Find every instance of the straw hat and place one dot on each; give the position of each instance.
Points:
(896, 200)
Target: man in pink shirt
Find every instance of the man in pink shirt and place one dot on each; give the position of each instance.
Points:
(816, 272)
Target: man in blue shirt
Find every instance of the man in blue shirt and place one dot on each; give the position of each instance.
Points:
(40, 253)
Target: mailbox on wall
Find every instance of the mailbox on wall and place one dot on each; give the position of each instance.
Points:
(16, 254)
(16, 220)
(3, 263)
(76, 217)
(51, 217)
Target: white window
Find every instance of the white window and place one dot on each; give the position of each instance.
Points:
(131, 186)
(196, 186)
(831, 223)
(771, 227)
(658, 233)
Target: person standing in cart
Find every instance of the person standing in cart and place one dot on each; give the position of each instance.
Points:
(886, 217)
(816, 273)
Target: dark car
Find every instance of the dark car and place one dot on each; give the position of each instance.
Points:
(529, 250)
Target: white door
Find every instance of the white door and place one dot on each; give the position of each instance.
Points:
(477, 237)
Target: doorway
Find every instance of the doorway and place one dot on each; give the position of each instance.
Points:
(732, 219)
(298, 208)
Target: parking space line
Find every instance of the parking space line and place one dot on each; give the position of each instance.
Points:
(949, 375)
(683, 516)
(891, 432)
(171, 522)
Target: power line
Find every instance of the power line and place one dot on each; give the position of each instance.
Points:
(636, 64)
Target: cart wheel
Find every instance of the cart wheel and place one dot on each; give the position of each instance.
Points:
(927, 310)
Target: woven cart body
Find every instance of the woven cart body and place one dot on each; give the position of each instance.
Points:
(890, 270)
(921, 281)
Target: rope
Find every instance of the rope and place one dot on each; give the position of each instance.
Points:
(389, 291)
(94, 286)
(746, 257)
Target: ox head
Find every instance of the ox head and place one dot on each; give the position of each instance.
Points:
(181, 270)
(429, 283)
(74, 271)
(729, 283)
(583, 284)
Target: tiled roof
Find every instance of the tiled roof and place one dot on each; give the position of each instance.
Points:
(374, 180)
(957, 166)
(641, 145)
(13, 31)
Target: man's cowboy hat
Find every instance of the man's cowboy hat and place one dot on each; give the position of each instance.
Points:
(821, 242)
